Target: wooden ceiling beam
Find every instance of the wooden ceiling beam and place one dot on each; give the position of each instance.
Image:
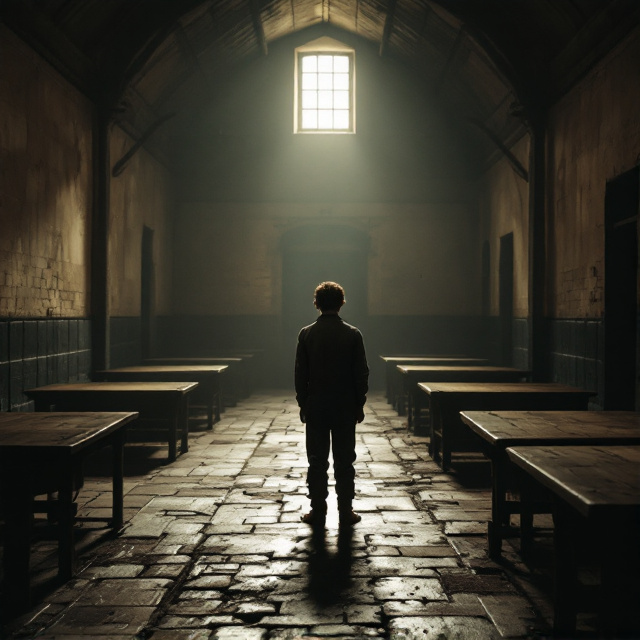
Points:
(44, 36)
(254, 7)
(388, 27)
(446, 69)
(184, 45)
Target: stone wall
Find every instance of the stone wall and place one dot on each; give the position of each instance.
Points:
(46, 187)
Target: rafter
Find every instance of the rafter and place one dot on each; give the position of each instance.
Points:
(184, 44)
(450, 60)
(388, 27)
(516, 165)
(254, 7)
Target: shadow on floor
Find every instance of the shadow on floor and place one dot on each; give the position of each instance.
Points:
(330, 565)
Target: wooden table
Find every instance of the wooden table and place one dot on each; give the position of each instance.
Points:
(237, 383)
(208, 377)
(446, 399)
(158, 403)
(392, 375)
(43, 453)
(597, 500)
(412, 374)
(499, 430)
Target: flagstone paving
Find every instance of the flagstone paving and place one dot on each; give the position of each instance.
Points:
(213, 547)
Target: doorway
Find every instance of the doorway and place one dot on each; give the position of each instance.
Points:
(622, 204)
(505, 298)
(147, 282)
(311, 255)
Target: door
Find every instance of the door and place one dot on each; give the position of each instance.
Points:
(505, 297)
(147, 279)
(314, 254)
(621, 291)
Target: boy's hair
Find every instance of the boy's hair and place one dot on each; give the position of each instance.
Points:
(329, 296)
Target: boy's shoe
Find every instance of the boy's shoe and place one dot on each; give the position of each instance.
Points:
(314, 518)
(349, 518)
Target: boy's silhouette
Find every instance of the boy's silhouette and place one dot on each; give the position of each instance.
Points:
(331, 381)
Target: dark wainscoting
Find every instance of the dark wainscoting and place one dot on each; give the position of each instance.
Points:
(576, 354)
(520, 334)
(124, 341)
(209, 335)
(38, 352)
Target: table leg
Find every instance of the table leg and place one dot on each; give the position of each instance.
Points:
(117, 447)
(526, 518)
(17, 545)
(401, 397)
(434, 440)
(66, 546)
(494, 529)
(220, 396)
(445, 438)
(177, 422)
(565, 614)
(184, 418)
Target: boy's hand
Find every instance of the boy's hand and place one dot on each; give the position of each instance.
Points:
(360, 415)
(303, 417)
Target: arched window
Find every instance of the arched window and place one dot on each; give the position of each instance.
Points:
(325, 88)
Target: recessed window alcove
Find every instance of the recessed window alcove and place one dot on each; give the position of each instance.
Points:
(312, 254)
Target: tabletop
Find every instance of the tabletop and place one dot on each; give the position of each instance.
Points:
(595, 480)
(415, 368)
(190, 361)
(44, 431)
(170, 368)
(470, 388)
(510, 428)
(433, 359)
(115, 387)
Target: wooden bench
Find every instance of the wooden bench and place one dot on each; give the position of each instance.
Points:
(446, 399)
(393, 379)
(413, 374)
(208, 377)
(499, 430)
(163, 406)
(596, 491)
(43, 453)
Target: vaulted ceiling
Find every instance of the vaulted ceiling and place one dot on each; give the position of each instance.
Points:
(486, 59)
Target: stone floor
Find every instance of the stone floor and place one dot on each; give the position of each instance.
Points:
(213, 546)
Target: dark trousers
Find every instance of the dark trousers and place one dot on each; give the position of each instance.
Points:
(335, 430)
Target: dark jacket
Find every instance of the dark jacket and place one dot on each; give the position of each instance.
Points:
(331, 364)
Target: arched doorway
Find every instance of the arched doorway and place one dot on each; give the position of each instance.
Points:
(312, 254)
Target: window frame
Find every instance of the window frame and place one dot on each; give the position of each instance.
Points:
(322, 51)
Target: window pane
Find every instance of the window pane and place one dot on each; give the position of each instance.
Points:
(325, 99)
(309, 63)
(341, 81)
(325, 63)
(340, 119)
(340, 99)
(324, 92)
(341, 64)
(325, 119)
(325, 81)
(309, 100)
(309, 81)
(309, 119)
